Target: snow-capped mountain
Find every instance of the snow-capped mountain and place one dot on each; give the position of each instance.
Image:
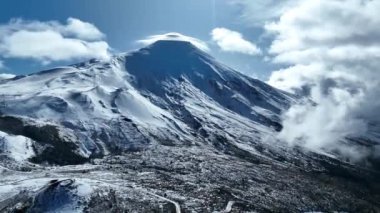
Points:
(168, 92)
(168, 128)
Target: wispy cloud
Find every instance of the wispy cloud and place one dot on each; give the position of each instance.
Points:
(52, 41)
(232, 41)
(257, 13)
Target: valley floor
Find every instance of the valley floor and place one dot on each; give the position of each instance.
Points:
(191, 179)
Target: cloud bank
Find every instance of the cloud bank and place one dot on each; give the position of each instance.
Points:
(232, 41)
(332, 48)
(52, 41)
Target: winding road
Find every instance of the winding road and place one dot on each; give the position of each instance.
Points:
(177, 206)
(229, 207)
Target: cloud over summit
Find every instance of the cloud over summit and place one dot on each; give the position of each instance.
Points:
(173, 36)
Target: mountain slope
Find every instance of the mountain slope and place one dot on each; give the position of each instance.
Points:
(168, 91)
(162, 128)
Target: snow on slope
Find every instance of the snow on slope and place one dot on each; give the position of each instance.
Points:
(52, 195)
(168, 92)
(18, 147)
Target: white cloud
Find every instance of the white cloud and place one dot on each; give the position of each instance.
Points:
(333, 49)
(49, 46)
(1, 64)
(175, 37)
(319, 30)
(6, 76)
(52, 41)
(82, 30)
(281, 79)
(232, 41)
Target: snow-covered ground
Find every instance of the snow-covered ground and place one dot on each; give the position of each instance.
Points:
(16, 147)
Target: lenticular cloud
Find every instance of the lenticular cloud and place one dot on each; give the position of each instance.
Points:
(173, 36)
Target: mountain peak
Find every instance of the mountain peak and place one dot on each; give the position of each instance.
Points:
(173, 49)
(171, 55)
(173, 44)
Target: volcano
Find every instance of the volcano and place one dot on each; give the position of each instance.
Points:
(165, 128)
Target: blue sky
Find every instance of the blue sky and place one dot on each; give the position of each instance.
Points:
(125, 21)
(328, 50)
